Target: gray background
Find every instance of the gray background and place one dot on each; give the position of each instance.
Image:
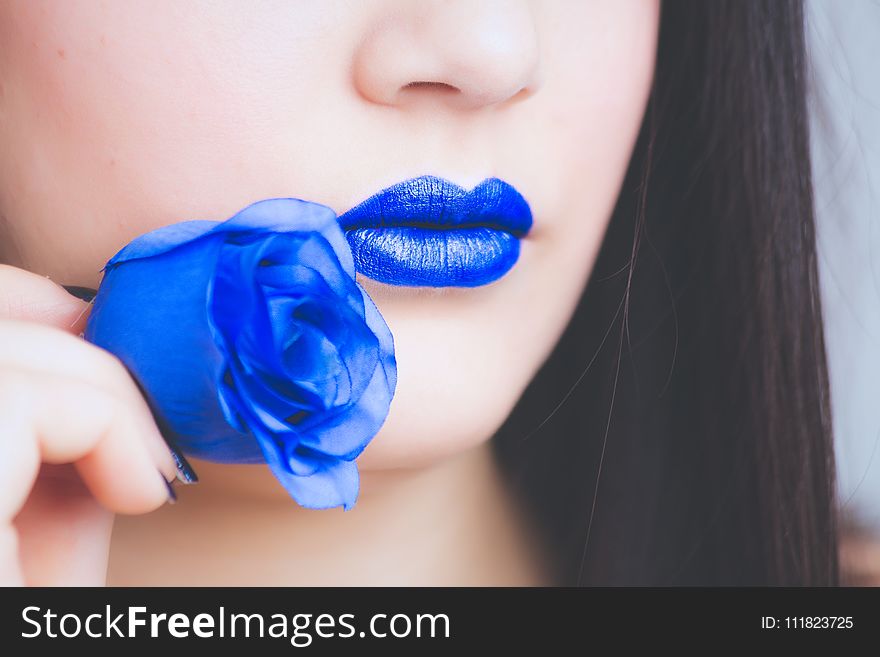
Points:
(844, 42)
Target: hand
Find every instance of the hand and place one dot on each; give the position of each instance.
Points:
(77, 440)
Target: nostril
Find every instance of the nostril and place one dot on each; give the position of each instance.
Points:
(426, 85)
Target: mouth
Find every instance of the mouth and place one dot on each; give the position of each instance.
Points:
(429, 232)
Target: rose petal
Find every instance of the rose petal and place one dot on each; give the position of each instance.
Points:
(334, 483)
(162, 240)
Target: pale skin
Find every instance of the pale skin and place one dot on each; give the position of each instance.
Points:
(121, 117)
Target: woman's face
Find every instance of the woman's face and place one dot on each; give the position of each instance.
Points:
(120, 117)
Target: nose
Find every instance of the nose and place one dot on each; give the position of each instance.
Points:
(463, 53)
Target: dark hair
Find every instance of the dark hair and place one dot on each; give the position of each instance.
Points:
(680, 432)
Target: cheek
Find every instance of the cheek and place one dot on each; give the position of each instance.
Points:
(118, 118)
(592, 108)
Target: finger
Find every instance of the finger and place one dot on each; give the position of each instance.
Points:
(42, 349)
(11, 573)
(64, 533)
(30, 297)
(62, 420)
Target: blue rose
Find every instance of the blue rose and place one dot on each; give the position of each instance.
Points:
(254, 343)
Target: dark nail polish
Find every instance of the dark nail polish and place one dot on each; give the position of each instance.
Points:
(185, 472)
(172, 496)
(84, 293)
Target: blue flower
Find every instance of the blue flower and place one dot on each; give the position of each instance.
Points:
(254, 343)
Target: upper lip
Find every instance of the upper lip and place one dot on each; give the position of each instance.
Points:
(436, 203)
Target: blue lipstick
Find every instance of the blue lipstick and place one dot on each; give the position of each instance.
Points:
(430, 232)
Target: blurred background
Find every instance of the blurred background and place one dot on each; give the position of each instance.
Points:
(844, 45)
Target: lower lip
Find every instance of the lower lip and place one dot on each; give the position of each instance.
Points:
(423, 257)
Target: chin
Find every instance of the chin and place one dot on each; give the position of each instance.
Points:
(421, 435)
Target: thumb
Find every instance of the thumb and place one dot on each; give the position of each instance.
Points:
(31, 297)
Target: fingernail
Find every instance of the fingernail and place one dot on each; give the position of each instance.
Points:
(172, 496)
(185, 472)
(84, 293)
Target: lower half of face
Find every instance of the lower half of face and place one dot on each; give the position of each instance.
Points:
(119, 118)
